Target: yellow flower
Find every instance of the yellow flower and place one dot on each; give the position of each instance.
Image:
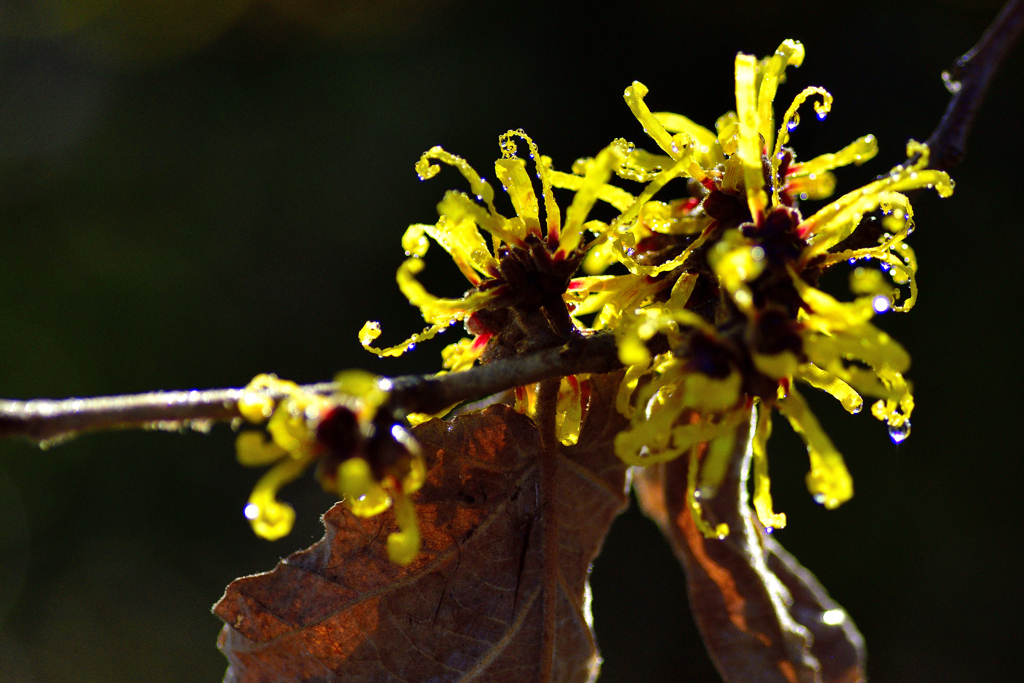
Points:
(715, 310)
(362, 453)
(519, 276)
(743, 320)
(527, 266)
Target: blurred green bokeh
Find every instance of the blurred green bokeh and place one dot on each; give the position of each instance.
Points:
(195, 192)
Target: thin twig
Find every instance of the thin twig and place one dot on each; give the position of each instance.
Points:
(595, 353)
(48, 421)
(968, 79)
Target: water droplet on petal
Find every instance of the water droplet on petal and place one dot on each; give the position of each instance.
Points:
(833, 617)
(899, 434)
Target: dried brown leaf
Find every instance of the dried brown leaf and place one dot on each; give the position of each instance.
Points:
(760, 611)
(470, 606)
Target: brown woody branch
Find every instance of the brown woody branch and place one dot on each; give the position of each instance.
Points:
(48, 421)
(968, 79)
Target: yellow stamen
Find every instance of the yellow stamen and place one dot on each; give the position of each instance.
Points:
(404, 544)
(254, 450)
(361, 492)
(762, 482)
(721, 530)
(856, 153)
(569, 411)
(371, 330)
(673, 145)
(832, 385)
(508, 149)
(708, 152)
(270, 518)
(835, 222)
(479, 187)
(583, 201)
(828, 481)
(821, 109)
(750, 145)
(789, 53)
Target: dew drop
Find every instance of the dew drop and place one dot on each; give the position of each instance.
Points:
(252, 511)
(819, 498)
(833, 617)
(899, 434)
(794, 122)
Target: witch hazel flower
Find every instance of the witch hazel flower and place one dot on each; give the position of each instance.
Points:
(519, 267)
(712, 299)
(363, 452)
(743, 320)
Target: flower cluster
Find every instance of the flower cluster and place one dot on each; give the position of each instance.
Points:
(517, 303)
(362, 452)
(744, 320)
(712, 299)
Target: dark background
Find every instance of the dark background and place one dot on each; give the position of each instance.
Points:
(193, 193)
